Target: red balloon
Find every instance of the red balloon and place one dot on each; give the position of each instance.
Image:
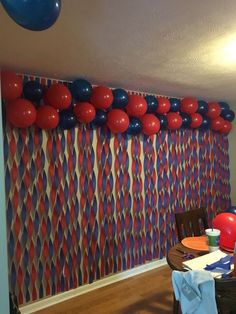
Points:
(117, 121)
(84, 112)
(102, 97)
(58, 96)
(189, 105)
(47, 117)
(214, 110)
(226, 128)
(174, 121)
(196, 120)
(137, 106)
(226, 223)
(150, 124)
(21, 113)
(217, 123)
(11, 86)
(163, 105)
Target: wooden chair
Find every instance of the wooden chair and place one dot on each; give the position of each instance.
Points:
(191, 223)
(226, 295)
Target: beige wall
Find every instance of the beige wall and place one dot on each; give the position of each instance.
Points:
(232, 158)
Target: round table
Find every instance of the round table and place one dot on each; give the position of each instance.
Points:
(175, 256)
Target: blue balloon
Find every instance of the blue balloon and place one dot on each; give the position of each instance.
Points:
(174, 104)
(134, 127)
(231, 209)
(35, 15)
(121, 98)
(186, 120)
(151, 103)
(100, 118)
(81, 90)
(224, 106)
(228, 115)
(33, 90)
(202, 107)
(67, 119)
(206, 122)
(163, 121)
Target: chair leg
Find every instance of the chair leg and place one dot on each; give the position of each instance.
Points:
(175, 305)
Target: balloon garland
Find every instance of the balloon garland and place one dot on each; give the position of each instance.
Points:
(60, 106)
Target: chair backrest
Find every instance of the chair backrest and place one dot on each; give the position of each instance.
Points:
(191, 223)
(225, 290)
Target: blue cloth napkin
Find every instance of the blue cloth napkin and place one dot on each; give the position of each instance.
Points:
(223, 263)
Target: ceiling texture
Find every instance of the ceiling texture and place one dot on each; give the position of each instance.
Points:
(165, 47)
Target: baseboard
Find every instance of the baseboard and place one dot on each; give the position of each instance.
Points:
(39, 305)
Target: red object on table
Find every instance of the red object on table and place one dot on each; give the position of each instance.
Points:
(226, 223)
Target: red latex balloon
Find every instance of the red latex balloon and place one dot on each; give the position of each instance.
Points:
(163, 105)
(21, 113)
(117, 121)
(189, 105)
(174, 121)
(226, 223)
(214, 110)
(150, 124)
(102, 97)
(84, 112)
(137, 106)
(58, 96)
(11, 86)
(226, 128)
(47, 117)
(196, 120)
(217, 123)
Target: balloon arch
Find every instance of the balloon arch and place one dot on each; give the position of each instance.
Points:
(61, 106)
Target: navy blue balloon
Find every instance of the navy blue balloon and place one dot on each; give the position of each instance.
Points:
(231, 209)
(135, 126)
(33, 90)
(35, 15)
(100, 118)
(67, 119)
(163, 121)
(151, 103)
(186, 120)
(228, 115)
(224, 106)
(174, 104)
(202, 107)
(81, 90)
(206, 122)
(121, 98)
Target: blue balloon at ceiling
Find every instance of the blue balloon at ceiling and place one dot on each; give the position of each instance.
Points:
(174, 104)
(35, 15)
(151, 103)
(81, 90)
(186, 120)
(100, 118)
(228, 115)
(120, 98)
(224, 106)
(206, 122)
(163, 121)
(33, 90)
(202, 107)
(67, 119)
(134, 127)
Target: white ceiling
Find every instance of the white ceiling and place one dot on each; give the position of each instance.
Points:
(166, 47)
